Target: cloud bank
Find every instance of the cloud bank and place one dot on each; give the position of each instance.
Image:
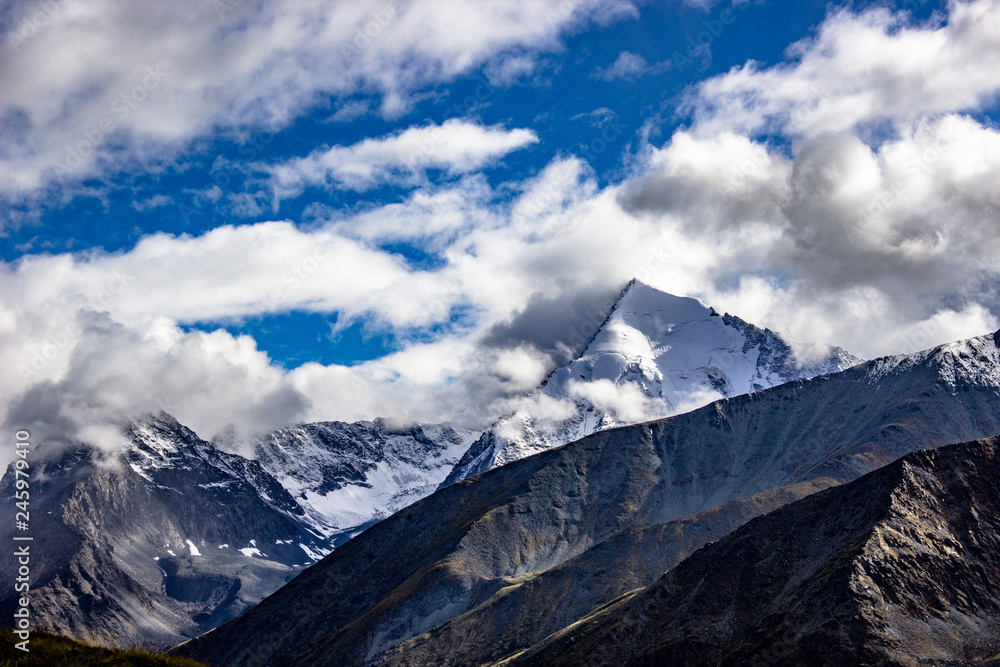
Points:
(94, 86)
(849, 195)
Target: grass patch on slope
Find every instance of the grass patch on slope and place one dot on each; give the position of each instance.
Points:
(54, 651)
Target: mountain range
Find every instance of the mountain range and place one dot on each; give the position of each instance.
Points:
(556, 531)
(897, 568)
(174, 535)
(521, 562)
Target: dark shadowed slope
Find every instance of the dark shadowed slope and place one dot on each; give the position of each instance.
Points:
(467, 545)
(897, 568)
(535, 605)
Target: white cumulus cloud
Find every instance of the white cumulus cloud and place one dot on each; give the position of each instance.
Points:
(863, 68)
(455, 146)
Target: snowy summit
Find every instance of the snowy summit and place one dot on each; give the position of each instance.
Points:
(656, 355)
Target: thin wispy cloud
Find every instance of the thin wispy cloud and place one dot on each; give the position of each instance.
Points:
(629, 67)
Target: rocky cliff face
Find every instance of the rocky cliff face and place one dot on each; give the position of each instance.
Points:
(656, 355)
(475, 572)
(172, 536)
(896, 568)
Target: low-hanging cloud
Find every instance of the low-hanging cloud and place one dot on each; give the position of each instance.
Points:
(559, 326)
(114, 372)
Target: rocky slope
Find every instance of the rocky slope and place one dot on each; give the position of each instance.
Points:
(897, 568)
(578, 526)
(172, 535)
(656, 355)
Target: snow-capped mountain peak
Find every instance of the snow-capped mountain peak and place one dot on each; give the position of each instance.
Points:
(656, 355)
(677, 349)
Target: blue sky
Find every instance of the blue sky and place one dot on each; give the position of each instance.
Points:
(324, 222)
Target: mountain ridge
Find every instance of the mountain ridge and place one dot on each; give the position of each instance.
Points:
(893, 568)
(446, 564)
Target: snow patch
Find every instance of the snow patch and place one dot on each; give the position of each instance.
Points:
(315, 555)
